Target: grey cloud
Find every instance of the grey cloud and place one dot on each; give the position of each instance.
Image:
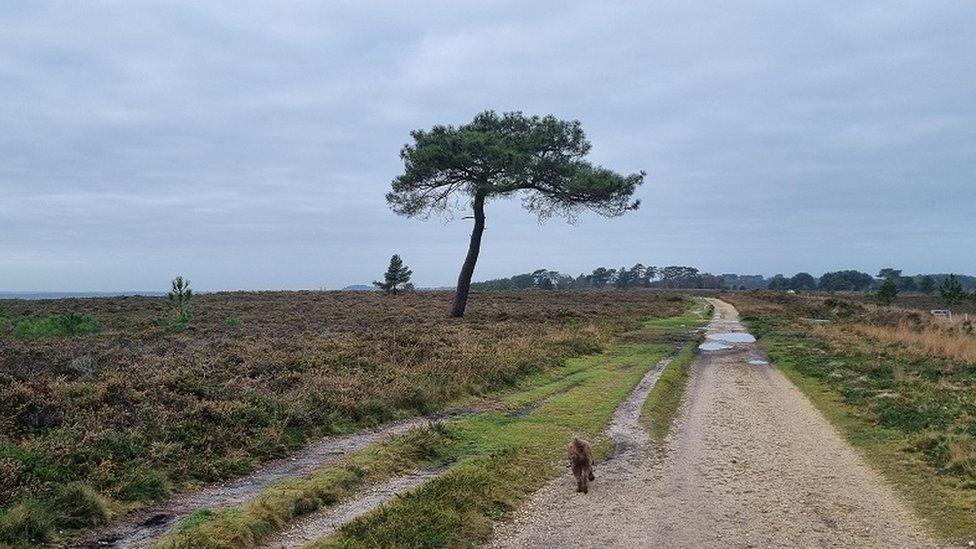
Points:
(250, 145)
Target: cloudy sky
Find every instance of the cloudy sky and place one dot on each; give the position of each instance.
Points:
(249, 145)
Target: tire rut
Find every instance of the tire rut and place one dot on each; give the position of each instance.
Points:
(327, 520)
(142, 528)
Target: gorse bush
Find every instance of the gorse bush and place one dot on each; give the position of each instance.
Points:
(70, 324)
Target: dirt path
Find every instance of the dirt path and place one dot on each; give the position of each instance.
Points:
(142, 528)
(751, 464)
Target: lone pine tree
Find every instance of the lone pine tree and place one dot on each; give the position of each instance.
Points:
(180, 300)
(497, 156)
(396, 278)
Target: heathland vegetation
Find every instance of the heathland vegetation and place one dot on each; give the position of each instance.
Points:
(99, 421)
(898, 383)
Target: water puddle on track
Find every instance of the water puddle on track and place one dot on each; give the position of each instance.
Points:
(713, 346)
(733, 337)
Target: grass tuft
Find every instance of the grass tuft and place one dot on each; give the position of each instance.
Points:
(79, 505)
(27, 523)
(144, 484)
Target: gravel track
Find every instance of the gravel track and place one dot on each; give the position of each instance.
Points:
(751, 464)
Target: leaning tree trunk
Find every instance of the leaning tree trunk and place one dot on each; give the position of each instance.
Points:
(467, 270)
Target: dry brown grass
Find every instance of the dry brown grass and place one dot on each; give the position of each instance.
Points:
(928, 339)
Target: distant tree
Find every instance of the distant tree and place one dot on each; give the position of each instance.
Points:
(752, 281)
(543, 281)
(650, 273)
(638, 276)
(926, 285)
(180, 301)
(903, 283)
(582, 282)
(907, 284)
(549, 280)
(712, 282)
(676, 276)
(565, 282)
(523, 281)
(625, 278)
(803, 281)
(778, 282)
(602, 276)
(887, 292)
(397, 275)
(889, 274)
(951, 292)
(845, 281)
(497, 156)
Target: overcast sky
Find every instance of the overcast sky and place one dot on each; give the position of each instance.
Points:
(249, 144)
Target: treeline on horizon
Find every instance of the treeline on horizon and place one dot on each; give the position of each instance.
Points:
(684, 277)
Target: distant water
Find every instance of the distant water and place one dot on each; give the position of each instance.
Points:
(63, 295)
